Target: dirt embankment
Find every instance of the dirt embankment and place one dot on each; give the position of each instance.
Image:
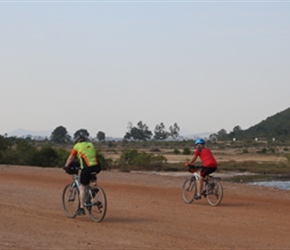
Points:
(144, 212)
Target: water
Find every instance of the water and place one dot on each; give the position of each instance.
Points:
(285, 185)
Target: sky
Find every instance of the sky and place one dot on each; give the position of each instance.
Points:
(100, 65)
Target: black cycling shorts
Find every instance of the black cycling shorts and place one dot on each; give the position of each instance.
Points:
(206, 171)
(85, 174)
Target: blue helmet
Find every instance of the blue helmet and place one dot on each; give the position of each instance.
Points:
(199, 141)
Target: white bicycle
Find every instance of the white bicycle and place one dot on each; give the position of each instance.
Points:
(212, 188)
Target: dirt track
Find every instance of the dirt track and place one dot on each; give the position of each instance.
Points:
(144, 212)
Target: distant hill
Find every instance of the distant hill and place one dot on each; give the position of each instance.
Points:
(25, 133)
(276, 126)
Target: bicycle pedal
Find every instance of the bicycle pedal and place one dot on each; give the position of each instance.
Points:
(99, 204)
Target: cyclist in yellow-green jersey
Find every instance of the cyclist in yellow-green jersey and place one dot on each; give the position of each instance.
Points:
(86, 153)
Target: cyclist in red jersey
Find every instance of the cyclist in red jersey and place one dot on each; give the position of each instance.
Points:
(209, 164)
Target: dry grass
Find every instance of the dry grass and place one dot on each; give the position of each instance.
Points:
(220, 155)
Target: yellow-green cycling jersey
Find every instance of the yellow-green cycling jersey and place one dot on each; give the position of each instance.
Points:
(86, 153)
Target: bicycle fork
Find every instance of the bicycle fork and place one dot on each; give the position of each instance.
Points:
(73, 193)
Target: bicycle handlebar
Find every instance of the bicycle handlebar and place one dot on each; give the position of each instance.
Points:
(192, 166)
(72, 170)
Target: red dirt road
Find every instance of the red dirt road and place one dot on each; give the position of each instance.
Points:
(144, 212)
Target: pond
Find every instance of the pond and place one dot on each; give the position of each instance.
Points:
(285, 185)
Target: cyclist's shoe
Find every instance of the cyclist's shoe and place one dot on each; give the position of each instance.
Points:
(88, 201)
(99, 204)
(87, 204)
(203, 193)
(197, 197)
(81, 211)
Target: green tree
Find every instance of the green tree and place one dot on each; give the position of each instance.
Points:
(60, 135)
(236, 132)
(101, 136)
(141, 132)
(213, 137)
(25, 151)
(174, 131)
(3, 143)
(222, 134)
(160, 133)
(237, 129)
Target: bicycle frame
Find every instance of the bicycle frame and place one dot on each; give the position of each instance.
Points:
(196, 176)
(76, 182)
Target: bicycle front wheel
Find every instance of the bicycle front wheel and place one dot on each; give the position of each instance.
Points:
(214, 192)
(189, 190)
(70, 200)
(98, 204)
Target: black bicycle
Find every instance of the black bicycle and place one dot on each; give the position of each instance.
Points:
(212, 188)
(95, 201)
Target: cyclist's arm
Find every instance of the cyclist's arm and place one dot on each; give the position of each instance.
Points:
(69, 160)
(71, 157)
(192, 160)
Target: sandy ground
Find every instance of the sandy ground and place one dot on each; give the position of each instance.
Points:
(145, 211)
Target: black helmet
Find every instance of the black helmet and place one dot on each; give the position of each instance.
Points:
(80, 138)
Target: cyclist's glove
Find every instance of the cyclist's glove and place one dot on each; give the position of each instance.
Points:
(67, 170)
(188, 165)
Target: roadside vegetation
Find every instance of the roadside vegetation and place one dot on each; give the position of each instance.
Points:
(143, 149)
(127, 156)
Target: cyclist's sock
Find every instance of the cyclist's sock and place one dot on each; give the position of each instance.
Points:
(198, 196)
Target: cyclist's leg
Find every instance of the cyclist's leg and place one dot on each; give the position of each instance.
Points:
(84, 180)
(209, 170)
(200, 186)
(204, 172)
(95, 169)
(83, 189)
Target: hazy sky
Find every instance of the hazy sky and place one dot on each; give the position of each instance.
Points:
(98, 65)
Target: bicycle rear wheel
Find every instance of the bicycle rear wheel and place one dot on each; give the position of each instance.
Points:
(70, 200)
(214, 193)
(98, 204)
(189, 190)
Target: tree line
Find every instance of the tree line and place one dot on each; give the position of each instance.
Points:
(24, 151)
(140, 132)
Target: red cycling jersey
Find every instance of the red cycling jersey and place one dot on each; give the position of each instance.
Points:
(206, 157)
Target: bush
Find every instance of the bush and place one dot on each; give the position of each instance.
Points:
(106, 164)
(262, 151)
(256, 167)
(132, 159)
(176, 151)
(245, 151)
(45, 157)
(155, 150)
(288, 158)
(186, 151)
